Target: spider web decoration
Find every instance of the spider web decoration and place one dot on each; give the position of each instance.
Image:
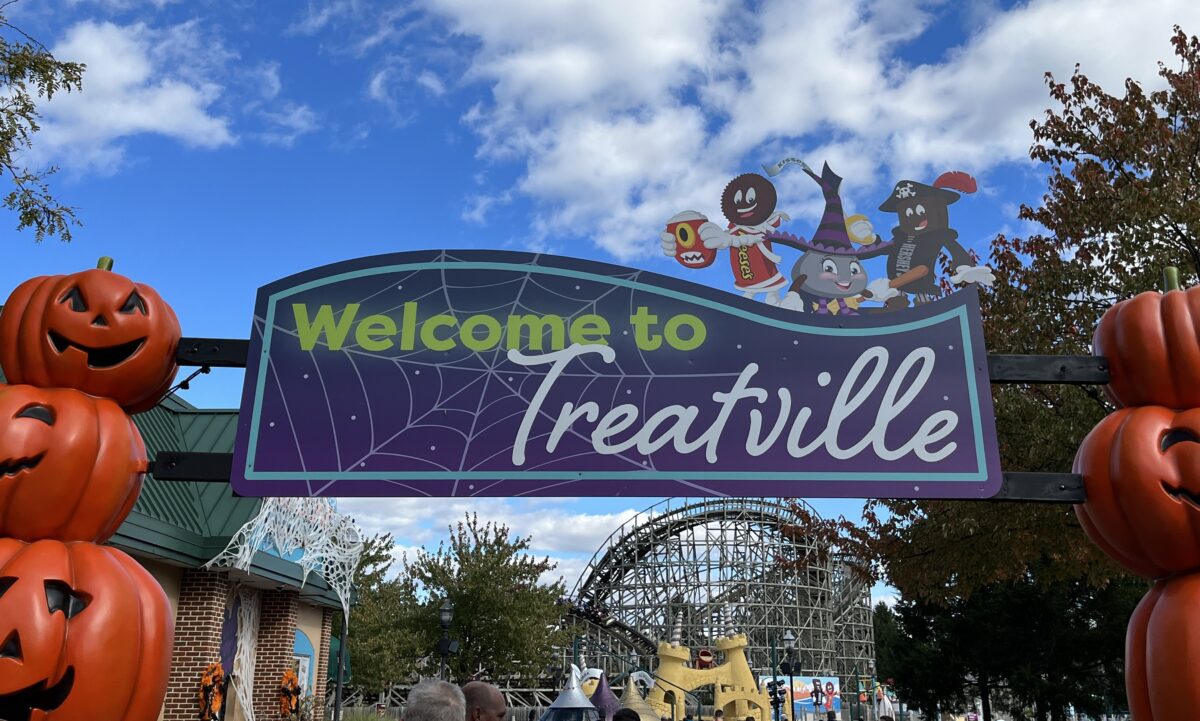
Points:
(385, 412)
(243, 662)
(329, 543)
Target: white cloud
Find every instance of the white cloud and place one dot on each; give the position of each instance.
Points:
(567, 537)
(287, 122)
(320, 14)
(122, 5)
(431, 82)
(619, 124)
(394, 84)
(130, 88)
(267, 79)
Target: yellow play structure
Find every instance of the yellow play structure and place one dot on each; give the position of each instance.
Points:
(735, 690)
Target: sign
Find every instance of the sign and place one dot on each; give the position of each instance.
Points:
(484, 373)
(811, 698)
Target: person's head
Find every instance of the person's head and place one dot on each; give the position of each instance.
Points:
(433, 700)
(484, 702)
(626, 714)
(751, 718)
(719, 714)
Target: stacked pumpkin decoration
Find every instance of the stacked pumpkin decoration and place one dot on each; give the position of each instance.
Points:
(1141, 471)
(85, 631)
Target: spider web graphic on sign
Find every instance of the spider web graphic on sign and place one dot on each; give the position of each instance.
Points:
(472, 395)
(503, 374)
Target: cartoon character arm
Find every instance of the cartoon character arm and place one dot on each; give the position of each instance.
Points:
(714, 236)
(958, 254)
(882, 289)
(787, 240)
(961, 260)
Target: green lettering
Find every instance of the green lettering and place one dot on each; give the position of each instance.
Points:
(489, 324)
(671, 332)
(428, 332)
(643, 322)
(371, 328)
(408, 325)
(537, 325)
(334, 332)
(590, 329)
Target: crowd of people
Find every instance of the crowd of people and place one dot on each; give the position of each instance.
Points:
(433, 700)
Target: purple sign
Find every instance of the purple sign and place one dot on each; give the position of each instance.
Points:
(482, 373)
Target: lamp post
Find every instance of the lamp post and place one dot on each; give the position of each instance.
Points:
(773, 685)
(789, 668)
(445, 645)
(871, 689)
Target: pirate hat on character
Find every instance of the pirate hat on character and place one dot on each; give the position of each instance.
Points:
(912, 190)
(831, 237)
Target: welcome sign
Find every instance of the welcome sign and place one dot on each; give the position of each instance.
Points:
(461, 373)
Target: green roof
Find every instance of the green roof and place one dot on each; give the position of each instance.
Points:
(188, 523)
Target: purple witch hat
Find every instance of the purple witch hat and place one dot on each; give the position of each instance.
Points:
(831, 237)
(604, 699)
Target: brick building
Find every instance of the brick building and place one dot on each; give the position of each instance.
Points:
(177, 527)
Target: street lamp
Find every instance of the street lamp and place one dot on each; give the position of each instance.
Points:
(871, 689)
(789, 668)
(445, 646)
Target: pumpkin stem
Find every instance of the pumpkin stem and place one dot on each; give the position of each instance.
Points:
(105, 263)
(1170, 279)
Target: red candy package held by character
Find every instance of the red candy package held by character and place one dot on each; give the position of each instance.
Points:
(690, 250)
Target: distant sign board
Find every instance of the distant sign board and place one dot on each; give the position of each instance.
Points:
(460, 373)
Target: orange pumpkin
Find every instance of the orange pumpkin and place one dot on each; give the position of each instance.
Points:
(1162, 652)
(95, 331)
(85, 633)
(71, 465)
(1141, 474)
(1152, 343)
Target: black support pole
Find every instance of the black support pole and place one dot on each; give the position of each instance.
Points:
(341, 671)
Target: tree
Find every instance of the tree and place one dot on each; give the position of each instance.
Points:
(1030, 644)
(28, 71)
(1122, 202)
(505, 618)
(387, 631)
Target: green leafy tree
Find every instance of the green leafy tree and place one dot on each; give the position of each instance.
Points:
(1031, 644)
(505, 618)
(387, 631)
(29, 72)
(1122, 202)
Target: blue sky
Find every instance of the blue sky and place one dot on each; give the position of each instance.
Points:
(219, 145)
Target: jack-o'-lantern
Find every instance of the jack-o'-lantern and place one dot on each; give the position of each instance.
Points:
(1152, 344)
(96, 331)
(71, 465)
(85, 633)
(1162, 652)
(1141, 473)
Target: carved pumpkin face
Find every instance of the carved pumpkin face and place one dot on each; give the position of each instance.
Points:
(85, 633)
(1152, 343)
(1141, 472)
(95, 331)
(71, 465)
